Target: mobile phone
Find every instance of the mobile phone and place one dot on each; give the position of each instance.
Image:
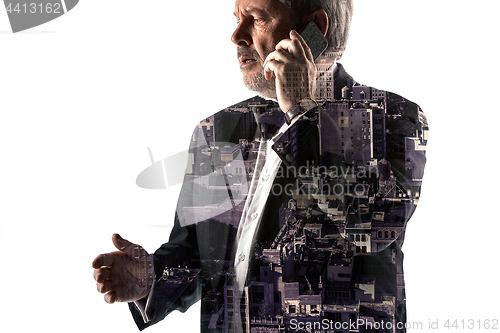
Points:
(314, 38)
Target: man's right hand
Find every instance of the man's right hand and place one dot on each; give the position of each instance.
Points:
(294, 70)
(125, 275)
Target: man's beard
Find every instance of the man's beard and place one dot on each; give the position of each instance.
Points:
(257, 82)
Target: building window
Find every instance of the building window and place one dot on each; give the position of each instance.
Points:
(257, 293)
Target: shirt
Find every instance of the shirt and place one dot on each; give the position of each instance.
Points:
(267, 166)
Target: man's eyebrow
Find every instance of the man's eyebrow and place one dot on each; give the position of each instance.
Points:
(252, 11)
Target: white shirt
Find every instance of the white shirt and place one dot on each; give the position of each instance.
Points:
(267, 165)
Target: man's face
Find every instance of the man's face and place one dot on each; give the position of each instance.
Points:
(261, 25)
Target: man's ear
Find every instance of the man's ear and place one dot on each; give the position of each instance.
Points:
(320, 17)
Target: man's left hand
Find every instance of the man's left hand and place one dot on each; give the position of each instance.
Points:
(295, 71)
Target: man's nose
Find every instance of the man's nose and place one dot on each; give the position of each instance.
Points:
(241, 34)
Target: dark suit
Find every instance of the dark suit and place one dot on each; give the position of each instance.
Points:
(333, 224)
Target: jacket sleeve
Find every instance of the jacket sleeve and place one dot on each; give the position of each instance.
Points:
(181, 250)
(401, 172)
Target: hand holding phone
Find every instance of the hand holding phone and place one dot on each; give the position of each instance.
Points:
(292, 65)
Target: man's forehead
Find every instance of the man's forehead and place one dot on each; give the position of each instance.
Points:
(257, 6)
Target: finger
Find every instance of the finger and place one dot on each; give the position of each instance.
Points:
(268, 67)
(294, 35)
(293, 45)
(104, 287)
(105, 259)
(268, 71)
(101, 274)
(120, 243)
(271, 67)
(279, 55)
(274, 61)
(110, 297)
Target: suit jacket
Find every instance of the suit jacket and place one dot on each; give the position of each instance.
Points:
(329, 243)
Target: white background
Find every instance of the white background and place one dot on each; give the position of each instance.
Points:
(83, 96)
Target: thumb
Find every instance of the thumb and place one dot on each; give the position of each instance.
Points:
(120, 243)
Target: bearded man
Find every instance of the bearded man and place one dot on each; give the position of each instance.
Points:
(295, 202)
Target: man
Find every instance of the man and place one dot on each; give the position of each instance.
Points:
(294, 203)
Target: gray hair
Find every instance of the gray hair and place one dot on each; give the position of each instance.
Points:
(339, 14)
